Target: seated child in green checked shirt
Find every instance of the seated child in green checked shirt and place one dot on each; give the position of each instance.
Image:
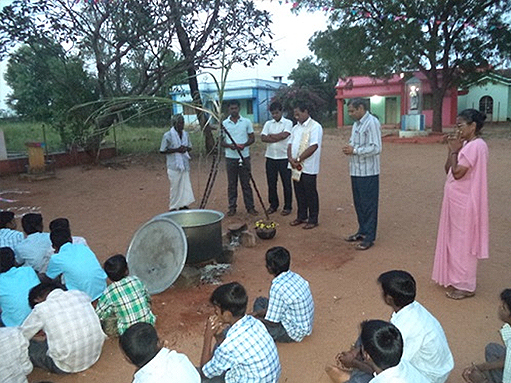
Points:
(125, 299)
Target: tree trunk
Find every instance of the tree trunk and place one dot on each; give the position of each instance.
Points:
(207, 131)
(437, 103)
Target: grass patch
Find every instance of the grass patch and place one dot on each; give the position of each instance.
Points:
(128, 139)
(17, 134)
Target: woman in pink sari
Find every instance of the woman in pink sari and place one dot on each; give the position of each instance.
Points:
(463, 233)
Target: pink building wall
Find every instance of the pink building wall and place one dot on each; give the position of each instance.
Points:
(364, 86)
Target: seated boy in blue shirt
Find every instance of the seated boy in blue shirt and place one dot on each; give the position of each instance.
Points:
(248, 353)
(497, 367)
(77, 263)
(126, 299)
(288, 314)
(15, 285)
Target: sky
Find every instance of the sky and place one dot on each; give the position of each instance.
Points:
(291, 35)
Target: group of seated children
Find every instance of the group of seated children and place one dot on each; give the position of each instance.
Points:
(49, 315)
(238, 347)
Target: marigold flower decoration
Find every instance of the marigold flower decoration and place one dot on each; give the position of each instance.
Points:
(262, 224)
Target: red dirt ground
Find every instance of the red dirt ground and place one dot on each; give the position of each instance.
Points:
(106, 204)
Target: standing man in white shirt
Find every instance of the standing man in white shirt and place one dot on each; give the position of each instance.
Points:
(364, 150)
(304, 153)
(276, 133)
(242, 132)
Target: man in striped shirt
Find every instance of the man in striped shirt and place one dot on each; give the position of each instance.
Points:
(364, 149)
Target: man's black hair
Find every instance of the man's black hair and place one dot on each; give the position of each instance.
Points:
(302, 106)
(116, 267)
(6, 259)
(358, 102)
(505, 296)
(42, 290)
(60, 223)
(140, 343)
(32, 223)
(383, 342)
(233, 102)
(230, 297)
(275, 105)
(59, 237)
(5, 218)
(399, 285)
(278, 260)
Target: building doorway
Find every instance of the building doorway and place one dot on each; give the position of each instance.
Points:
(391, 111)
(486, 106)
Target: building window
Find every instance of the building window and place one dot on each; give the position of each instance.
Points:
(486, 105)
(250, 107)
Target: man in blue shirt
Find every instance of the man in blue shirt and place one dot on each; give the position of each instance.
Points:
(77, 264)
(242, 133)
(15, 285)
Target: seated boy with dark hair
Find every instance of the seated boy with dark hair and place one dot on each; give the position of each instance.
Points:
(77, 264)
(72, 339)
(382, 349)
(126, 297)
(9, 236)
(497, 368)
(248, 353)
(289, 312)
(156, 364)
(36, 249)
(426, 346)
(15, 285)
(63, 223)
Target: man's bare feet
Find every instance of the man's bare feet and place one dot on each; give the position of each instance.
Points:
(336, 374)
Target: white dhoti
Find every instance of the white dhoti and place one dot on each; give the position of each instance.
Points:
(181, 193)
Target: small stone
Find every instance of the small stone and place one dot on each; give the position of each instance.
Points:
(227, 255)
(189, 277)
(248, 239)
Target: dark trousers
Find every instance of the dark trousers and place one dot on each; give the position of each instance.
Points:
(492, 353)
(365, 198)
(273, 169)
(277, 332)
(38, 353)
(307, 198)
(235, 171)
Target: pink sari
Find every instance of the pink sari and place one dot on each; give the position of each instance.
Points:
(463, 232)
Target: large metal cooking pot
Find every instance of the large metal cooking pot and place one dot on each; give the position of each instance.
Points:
(203, 230)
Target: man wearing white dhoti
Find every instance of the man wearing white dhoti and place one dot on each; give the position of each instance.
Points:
(176, 145)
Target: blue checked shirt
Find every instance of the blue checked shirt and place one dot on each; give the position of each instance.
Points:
(248, 354)
(291, 304)
(10, 238)
(366, 142)
(505, 332)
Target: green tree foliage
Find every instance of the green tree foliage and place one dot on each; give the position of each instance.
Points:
(315, 78)
(291, 96)
(446, 40)
(46, 82)
(130, 43)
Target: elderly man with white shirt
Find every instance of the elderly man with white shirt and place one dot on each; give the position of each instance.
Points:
(276, 134)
